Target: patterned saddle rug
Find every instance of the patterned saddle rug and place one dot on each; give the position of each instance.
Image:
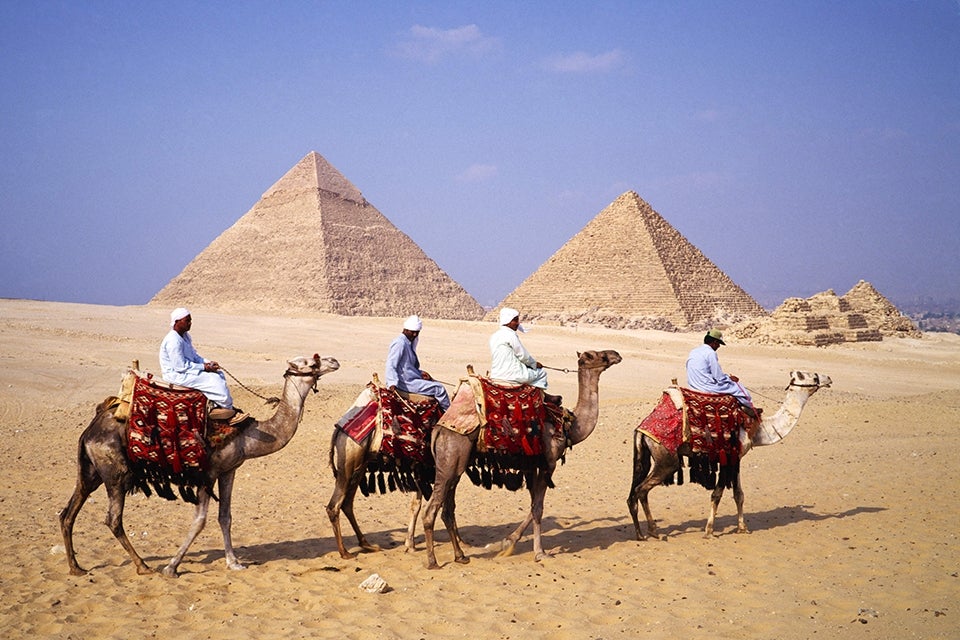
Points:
(400, 426)
(168, 438)
(512, 420)
(709, 423)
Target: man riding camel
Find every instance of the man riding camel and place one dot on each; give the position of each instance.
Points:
(403, 366)
(510, 360)
(704, 372)
(180, 364)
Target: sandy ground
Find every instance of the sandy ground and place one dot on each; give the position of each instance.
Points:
(853, 516)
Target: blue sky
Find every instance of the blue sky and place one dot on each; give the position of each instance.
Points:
(802, 146)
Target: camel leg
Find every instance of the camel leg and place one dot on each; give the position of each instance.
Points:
(88, 480)
(116, 494)
(652, 466)
(199, 520)
(341, 494)
(444, 496)
(738, 498)
(714, 505)
(416, 503)
(510, 542)
(641, 467)
(225, 518)
(430, 518)
(449, 516)
(536, 510)
(352, 519)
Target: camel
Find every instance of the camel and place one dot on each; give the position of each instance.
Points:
(653, 463)
(349, 460)
(102, 459)
(452, 452)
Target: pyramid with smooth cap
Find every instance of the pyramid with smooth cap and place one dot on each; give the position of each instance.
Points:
(313, 242)
(629, 268)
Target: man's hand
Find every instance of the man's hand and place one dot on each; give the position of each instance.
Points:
(426, 376)
(734, 378)
(211, 366)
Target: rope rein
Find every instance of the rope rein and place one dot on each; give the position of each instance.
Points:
(270, 400)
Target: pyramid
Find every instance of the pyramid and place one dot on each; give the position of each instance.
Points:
(860, 315)
(313, 242)
(628, 268)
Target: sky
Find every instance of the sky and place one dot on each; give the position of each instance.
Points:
(800, 145)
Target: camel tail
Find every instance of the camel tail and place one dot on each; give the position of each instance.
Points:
(332, 460)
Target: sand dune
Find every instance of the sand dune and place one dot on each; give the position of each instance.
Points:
(853, 516)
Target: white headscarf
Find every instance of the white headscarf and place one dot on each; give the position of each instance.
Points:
(177, 314)
(507, 314)
(413, 323)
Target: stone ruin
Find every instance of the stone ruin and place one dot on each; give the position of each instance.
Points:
(861, 315)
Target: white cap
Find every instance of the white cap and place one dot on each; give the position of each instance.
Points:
(178, 314)
(413, 323)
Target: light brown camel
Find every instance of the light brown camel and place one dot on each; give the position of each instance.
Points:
(102, 459)
(653, 463)
(349, 460)
(452, 452)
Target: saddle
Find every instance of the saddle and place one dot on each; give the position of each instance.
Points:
(398, 425)
(511, 419)
(169, 436)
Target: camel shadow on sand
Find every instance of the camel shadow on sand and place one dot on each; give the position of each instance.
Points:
(565, 534)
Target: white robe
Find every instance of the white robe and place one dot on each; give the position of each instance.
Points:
(511, 362)
(181, 364)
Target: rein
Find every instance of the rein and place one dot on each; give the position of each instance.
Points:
(271, 399)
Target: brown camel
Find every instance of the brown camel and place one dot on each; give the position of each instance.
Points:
(653, 463)
(102, 459)
(349, 461)
(452, 452)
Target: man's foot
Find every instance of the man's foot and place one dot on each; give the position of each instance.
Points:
(239, 417)
(221, 413)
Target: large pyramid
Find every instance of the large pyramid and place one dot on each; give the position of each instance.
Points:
(313, 242)
(628, 268)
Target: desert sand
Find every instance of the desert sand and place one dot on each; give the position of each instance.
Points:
(853, 516)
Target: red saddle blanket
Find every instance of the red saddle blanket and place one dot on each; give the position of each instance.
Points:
(515, 419)
(165, 433)
(709, 422)
(402, 457)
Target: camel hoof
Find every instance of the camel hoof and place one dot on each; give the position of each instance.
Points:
(462, 560)
(170, 572)
(507, 550)
(77, 571)
(236, 566)
(432, 565)
(743, 530)
(370, 548)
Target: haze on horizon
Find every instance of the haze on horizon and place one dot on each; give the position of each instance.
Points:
(801, 146)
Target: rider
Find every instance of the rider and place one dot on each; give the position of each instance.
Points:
(510, 360)
(181, 364)
(403, 366)
(704, 372)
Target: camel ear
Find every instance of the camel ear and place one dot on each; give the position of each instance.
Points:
(578, 355)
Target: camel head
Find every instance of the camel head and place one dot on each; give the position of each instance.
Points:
(311, 367)
(597, 359)
(813, 381)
